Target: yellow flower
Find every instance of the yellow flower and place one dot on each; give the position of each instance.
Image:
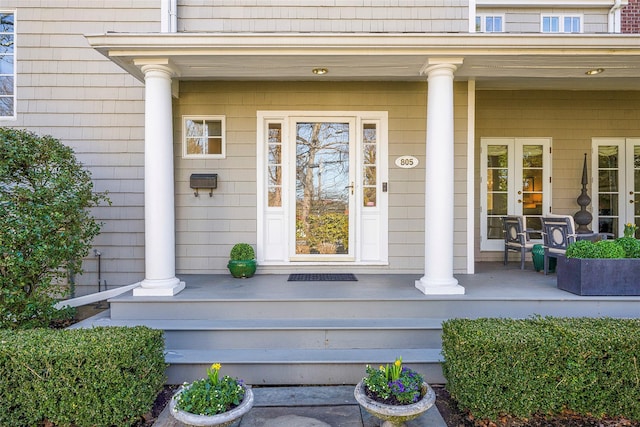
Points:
(216, 366)
(398, 362)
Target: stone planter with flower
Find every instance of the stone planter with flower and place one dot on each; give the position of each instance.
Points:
(211, 401)
(394, 393)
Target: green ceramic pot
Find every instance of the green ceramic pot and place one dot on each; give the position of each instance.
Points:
(242, 268)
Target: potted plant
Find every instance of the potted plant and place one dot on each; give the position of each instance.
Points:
(211, 401)
(394, 393)
(242, 261)
(607, 267)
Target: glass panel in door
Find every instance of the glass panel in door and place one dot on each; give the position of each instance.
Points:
(497, 189)
(532, 182)
(323, 189)
(608, 188)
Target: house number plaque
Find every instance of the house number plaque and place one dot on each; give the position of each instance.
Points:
(406, 162)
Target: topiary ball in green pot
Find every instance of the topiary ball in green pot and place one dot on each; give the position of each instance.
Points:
(242, 262)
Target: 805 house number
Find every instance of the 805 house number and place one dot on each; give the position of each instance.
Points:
(406, 162)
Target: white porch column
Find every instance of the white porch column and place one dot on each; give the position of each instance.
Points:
(159, 216)
(438, 232)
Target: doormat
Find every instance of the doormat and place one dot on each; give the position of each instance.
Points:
(322, 277)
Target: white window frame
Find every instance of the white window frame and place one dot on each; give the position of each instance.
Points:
(13, 75)
(222, 120)
(561, 27)
(483, 22)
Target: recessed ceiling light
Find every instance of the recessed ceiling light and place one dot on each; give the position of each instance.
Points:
(319, 71)
(594, 71)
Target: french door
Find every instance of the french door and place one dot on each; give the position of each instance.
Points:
(515, 180)
(322, 188)
(616, 184)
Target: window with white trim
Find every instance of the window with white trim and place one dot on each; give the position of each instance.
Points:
(7, 66)
(489, 23)
(203, 137)
(561, 23)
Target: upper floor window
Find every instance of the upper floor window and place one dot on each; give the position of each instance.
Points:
(561, 24)
(489, 23)
(7, 65)
(203, 137)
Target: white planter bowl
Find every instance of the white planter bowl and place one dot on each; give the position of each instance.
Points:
(221, 420)
(395, 415)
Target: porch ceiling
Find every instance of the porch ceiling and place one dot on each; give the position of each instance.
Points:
(497, 61)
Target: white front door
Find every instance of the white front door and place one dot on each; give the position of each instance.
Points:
(322, 188)
(616, 184)
(515, 180)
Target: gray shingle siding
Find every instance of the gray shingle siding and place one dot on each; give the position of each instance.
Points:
(325, 16)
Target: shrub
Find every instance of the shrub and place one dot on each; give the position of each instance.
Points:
(332, 228)
(601, 249)
(582, 249)
(84, 377)
(45, 226)
(610, 249)
(498, 367)
(241, 252)
(630, 245)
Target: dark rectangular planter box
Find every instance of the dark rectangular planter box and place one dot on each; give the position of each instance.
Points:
(587, 276)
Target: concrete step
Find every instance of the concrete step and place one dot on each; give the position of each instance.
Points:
(291, 333)
(269, 331)
(299, 366)
(346, 308)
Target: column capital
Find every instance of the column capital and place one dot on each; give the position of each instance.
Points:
(162, 65)
(449, 65)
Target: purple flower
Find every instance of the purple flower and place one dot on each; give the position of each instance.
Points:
(397, 386)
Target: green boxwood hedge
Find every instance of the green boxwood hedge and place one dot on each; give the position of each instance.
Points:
(497, 367)
(82, 377)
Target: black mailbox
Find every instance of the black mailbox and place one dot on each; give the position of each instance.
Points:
(204, 180)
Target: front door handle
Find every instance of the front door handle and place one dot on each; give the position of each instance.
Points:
(351, 187)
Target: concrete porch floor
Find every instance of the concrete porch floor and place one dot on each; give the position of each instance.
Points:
(491, 280)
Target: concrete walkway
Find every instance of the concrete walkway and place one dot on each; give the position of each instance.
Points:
(332, 406)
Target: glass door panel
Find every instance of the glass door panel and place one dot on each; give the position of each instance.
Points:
(608, 188)
(323, 189)
(532, 182)
(497, 188)
(274, 165)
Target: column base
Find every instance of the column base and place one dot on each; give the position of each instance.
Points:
(159, 288)
(439, 287)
